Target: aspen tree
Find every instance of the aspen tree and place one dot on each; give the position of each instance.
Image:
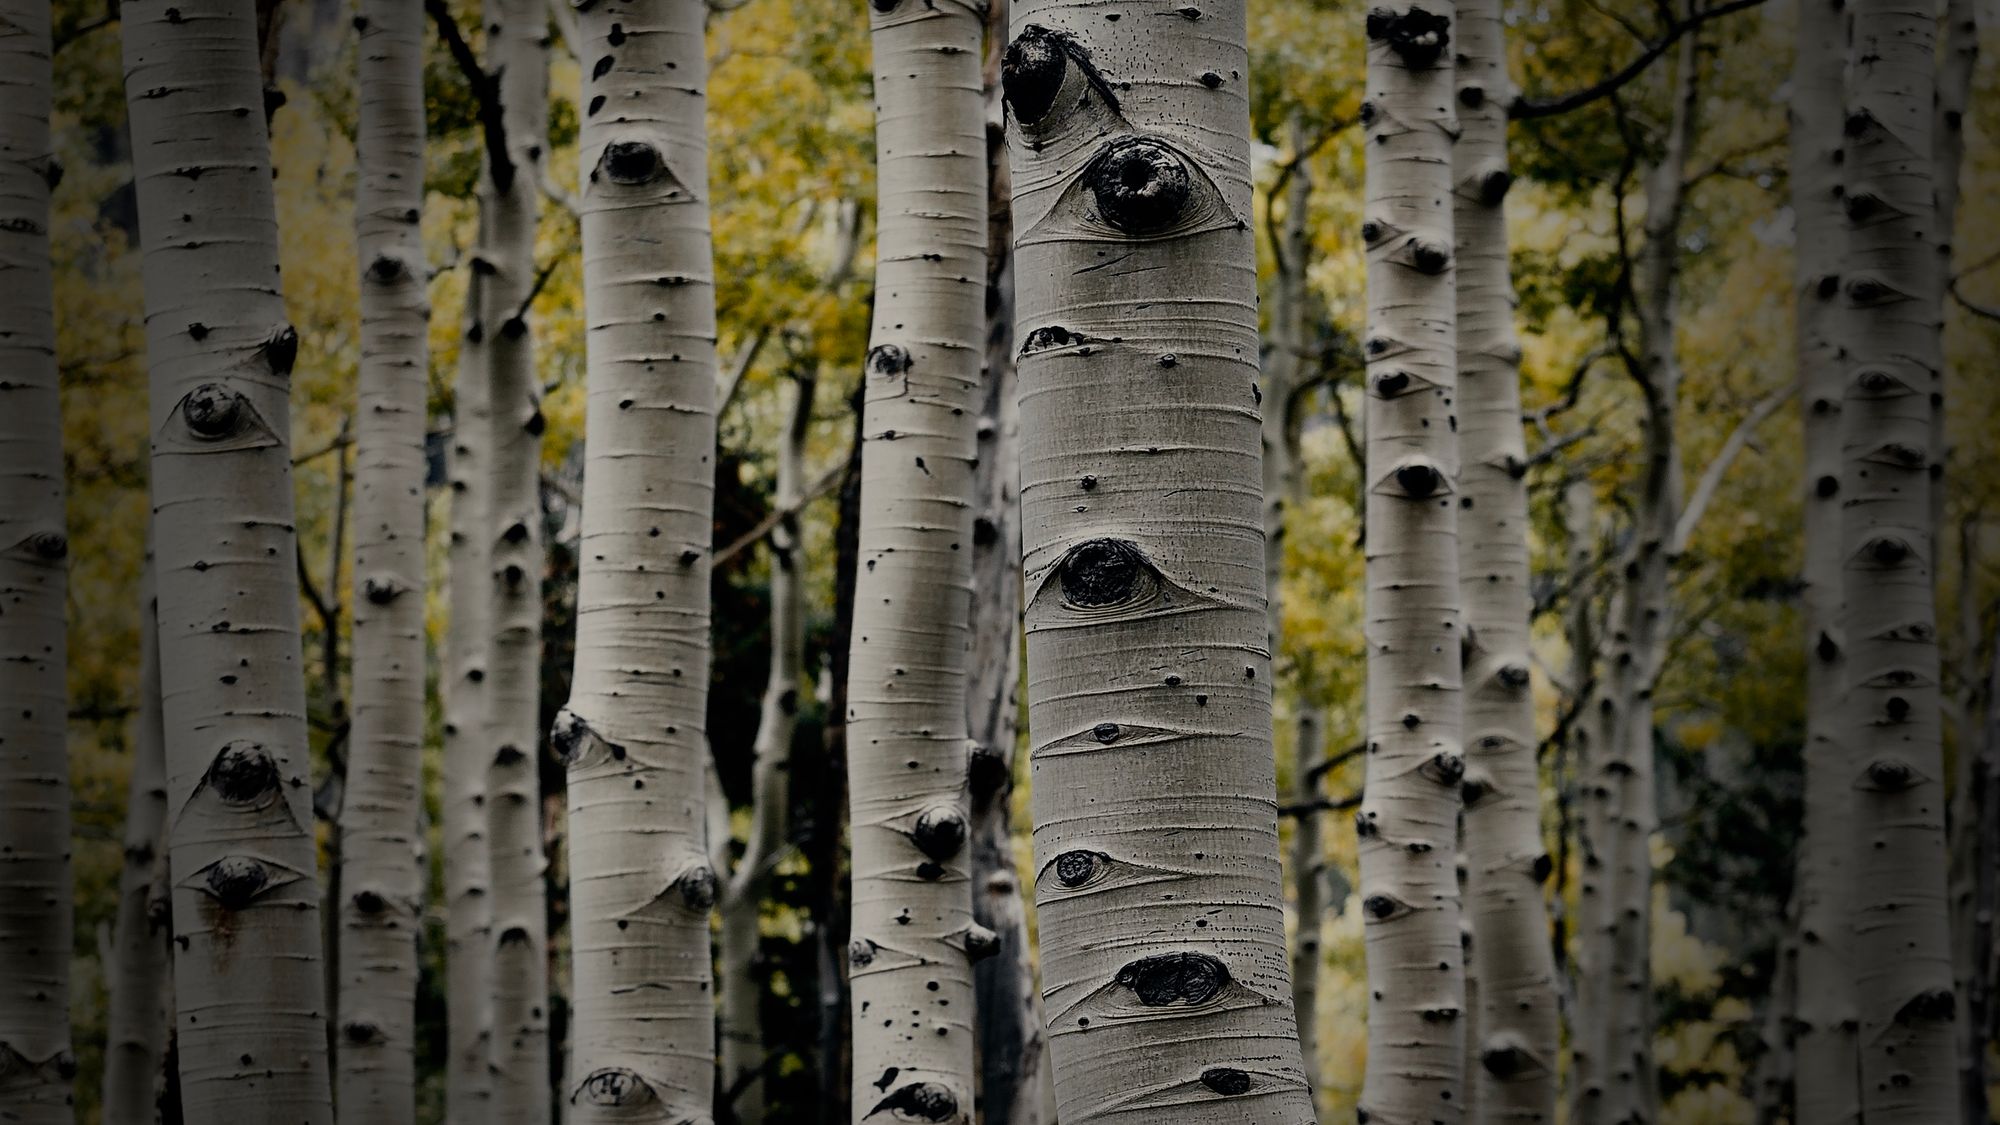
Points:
(1825, 1082)
(913, 935)
(247, 976)
(1013, 1048)
(467, 866)
(382, 884)
(1409, 821)
(1893, 282)
(633, 732)
(36, 1066)
(1149, 678)
(1512, 1033)
(138, 1015)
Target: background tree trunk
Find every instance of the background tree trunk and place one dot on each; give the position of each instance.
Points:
(913, 933)
(382, 803)
(139, 977)
(1827, 1086)
(1514, 1028)
(36, 1066)
(246, 903)
(1149, 682)
(1894, 288)
(1409, 820)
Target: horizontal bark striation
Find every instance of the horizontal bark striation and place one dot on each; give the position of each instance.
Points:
(1149, 677)
(633, 733)
(36, 1065)
(251, 1019)
(913, 933)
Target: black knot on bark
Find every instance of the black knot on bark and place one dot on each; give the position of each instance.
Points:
(1226, 1080)
(243, 773)
(381, 591)
(1174, 978)
(986, 773)
(1934, 1005)
(697, 886)
(508, 755)
(213, 411)
(930, 872)
(1890, 776)
(1514, 675)
(48, 546)
(1827, 486)
(1050, 336)
(1102, 572)
(1429, 258)
(1392, 384)
(1542, 868)
(1898, 708)
(1418, 481)
(536, 425)
(1369, 113)
(985, 532)
(1828, 286)
(1380, 907)
(1503, 1062)
(884, 6)
(1364, 825)
(1827, 648)
(281, 350)
(1440, 1015)
(860, 953)
(385, 269)
(237, 880)
(516, 532)
(631, 162)
(1417, 36)
(888, 359)
(1211, 79)
(1473, 791)
(939, 833)
(980, 943)
(920, 1101)
(1493, 187)
(1472, 96)
(1371, 231)
(1106, 733)
(1032, 70)
(1888, 550)
(1078, 867)
(613, 1086)
(359, 1033)
(1142, 187)
(368, 902)
(513, 935)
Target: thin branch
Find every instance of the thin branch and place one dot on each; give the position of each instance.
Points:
(739, 368)
(564, 18)
(563, 198)
(1527, 109)
(1989, 312)
(777, 516)
(1324, 804)
(485, 90)
(1711, 477)
(1722, 163)
(1335, 761)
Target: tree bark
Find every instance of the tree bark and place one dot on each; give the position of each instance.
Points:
(1160, 901)
(1409, 821)
(140, 1011)
(1013, 1049)
(1826, 1083)
(1984, 782)
(382, 806)
(245, 903)
(36, 1066)
(1513, 1040)
(1894, 286)
(913, 935)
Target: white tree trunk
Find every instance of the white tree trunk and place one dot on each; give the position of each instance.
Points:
(913, 934)
(382, 882)
(467, 867)
(138, 979)
(1826, 1083)
(1515, 1027)
(1894, 286)
(245, 904)
(1149, 676)
(1409, 820)
(633, 733)
(36, 1066)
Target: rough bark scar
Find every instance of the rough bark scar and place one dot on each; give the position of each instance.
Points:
(1418, 481)
(860, 953)
(1033, 69)
(48, 546)
(1141, 186)
(613, 1086)
(1418, 37)
(919, 1101)
(697, 886)
(243, 773)
(235, 881)
(213, 411)
(1077, 868)
(888, 359)
(980, 943)
(1226, 1080)
(1171, 978)
(939, 833)
(1102, 572)
(630, 163)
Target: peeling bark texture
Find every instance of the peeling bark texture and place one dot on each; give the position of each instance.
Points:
(1012, 1046)
(139, 1014)
(467, 867)
(914, 940)
(1894, 285)
(246, 908)
(519, 1054)
(1514, 1033)
(1149, 674)
(1827, 1088)
(1415, 762)
(633, 733)
(1284, 387)
(36, 1066)
(743, 1051)
(382, 880)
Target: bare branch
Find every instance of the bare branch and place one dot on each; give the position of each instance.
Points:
(1324, 804)
(485, 90)
(1711, 477)
(777, 516)
(1527, 109)
(1988, 312)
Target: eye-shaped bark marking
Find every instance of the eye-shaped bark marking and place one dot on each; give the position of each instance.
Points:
(1511, 1061)
(243, 773)
(630, 163)
(1897, 456)
(382, 590)
(1035, 67)
(1052, 337)
(939, 833)
(1226, 1080)
(1890, 775)
(1414, 479)
(1079, 868)
(281, 350)
(697, 886)
(1418, 37)
(1142, 187)
(1103, 573)
(860, 953)
(236, 881)
(42, 546)
(1883, 552)
(360, 1033)
(614, 1086)
(1123, 736)
(976, 942)
(1186, 978)
(1444, 767)
(579, 745)
(1384, 908)
(918, 1101)
(888, 359)
(1082, 871)
(213, 412)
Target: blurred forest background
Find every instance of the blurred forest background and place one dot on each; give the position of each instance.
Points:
(792, 151)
